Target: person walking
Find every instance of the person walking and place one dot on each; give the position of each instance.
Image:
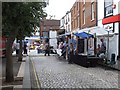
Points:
(47, 49)
(98, 50)
(71, 53)
(103, 46)
(25, 48)
(17, 46)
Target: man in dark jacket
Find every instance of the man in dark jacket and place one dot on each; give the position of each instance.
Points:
(47, 49)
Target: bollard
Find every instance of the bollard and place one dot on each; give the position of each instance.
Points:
(112, 59)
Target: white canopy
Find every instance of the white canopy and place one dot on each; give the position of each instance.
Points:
(33, 38)
(99, 31)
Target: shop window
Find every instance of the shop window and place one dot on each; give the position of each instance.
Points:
(108, 8)
(45, 34)
(83, 1)
(44, 28)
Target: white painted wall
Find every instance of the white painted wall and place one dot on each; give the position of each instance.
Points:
(65, 18)
(100, 8)
(70, 21)
(116, 27)
(117, 9)
(113, 44)
(53, 40)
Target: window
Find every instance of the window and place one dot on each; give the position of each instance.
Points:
(92, 11)
(83, 1)
(108, 8)
(44, 28)
(45, 34)
(74, 24)
(63, 21)
(83, 16)
(77, 5)
(68, 28)
(68, 18)
(74, 9)
(78, 22)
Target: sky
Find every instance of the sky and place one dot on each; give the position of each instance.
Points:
(58, 8)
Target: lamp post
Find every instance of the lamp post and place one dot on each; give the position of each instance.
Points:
(108, 29)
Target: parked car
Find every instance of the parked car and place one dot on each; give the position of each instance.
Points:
(32, 46)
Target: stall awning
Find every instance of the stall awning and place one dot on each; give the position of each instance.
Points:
(83, 35)
(98, 31)
(66, 34)
(33, 38)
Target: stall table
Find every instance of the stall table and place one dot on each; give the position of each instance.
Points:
(85, 60)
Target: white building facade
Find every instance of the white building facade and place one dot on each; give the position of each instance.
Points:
(108, 12)
(65, 22)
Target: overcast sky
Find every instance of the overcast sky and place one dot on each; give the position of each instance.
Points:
(59, 8)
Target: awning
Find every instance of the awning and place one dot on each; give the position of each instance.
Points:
(33, 38)
(83, 35)
(66, 34)
(98, 31)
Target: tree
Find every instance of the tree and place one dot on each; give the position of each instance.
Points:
(18, 20)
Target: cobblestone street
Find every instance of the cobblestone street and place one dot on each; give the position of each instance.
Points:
(54, 73)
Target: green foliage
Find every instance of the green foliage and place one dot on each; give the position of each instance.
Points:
(21, 17)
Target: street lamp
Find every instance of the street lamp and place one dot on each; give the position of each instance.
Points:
(108, 29)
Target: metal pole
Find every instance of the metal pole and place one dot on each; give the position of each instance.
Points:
(108, 47)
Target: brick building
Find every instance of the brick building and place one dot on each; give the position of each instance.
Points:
(83, 15)
(48, 24)
(88, 13)
(65, 22)
(75, 16)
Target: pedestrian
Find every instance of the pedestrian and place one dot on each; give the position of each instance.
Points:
(47, 49)
(74, 42)
(103, 46)
(61, 45)
(64, 49)
(17, 47)
(98, 50)
(25, 48)
(71, 53)
(38, 50)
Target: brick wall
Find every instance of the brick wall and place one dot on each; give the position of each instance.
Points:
(88, 20)
(77, 15)
(47, 24)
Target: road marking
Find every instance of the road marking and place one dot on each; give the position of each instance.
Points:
(21, 70)
(36, 77)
